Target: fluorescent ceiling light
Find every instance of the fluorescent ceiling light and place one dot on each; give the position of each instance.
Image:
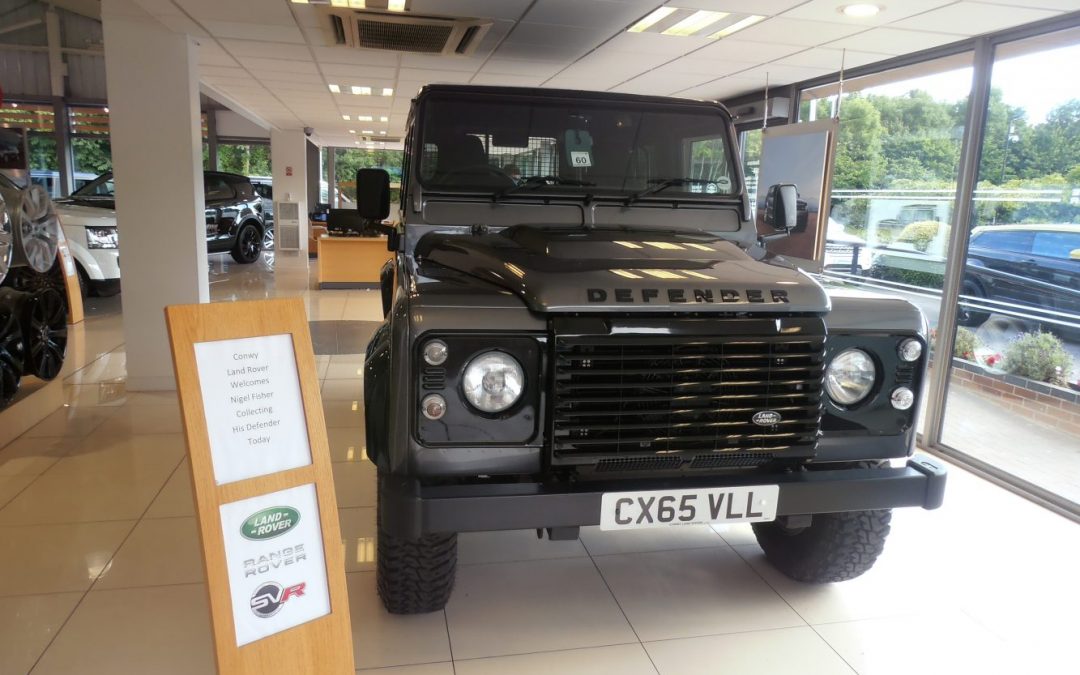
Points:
(356, 4)
(698, 21)
(368, 131)
(345, 117)
(737, 26)
(655, 17)
(335, 89)
(363, 118)
(388, 91)
(861, 10)
(352, 131)
(396, 5)
(362, 91)
(299, 2)
(382, 133)
(339, 3)
(384, 118)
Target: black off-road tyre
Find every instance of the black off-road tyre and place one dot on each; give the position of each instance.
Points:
(836, 546)
(248, 245)
(415, 576)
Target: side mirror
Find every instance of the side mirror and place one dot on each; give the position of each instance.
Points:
(1075, 254)
(373, 194)
(782, 207)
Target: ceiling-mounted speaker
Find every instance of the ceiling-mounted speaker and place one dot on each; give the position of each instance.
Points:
(414, 34)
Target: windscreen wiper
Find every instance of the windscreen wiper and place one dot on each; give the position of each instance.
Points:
(534, 182)
(663, 184)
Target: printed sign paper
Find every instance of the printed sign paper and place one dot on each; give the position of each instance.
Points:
(253, 408)
(274, 557)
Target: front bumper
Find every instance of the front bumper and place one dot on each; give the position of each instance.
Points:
(411, 510)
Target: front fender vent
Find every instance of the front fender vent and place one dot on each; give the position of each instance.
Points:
(414, 34)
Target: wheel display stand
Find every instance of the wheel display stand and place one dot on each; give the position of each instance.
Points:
(37, 280)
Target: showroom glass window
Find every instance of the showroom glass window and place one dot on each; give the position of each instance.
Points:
(39, 121)
(91, 149)
(895, 176)
(348, 160)
(1013, 399)
(247, 159)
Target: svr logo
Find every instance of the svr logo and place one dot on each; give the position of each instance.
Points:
(268, 598)
(677, 295)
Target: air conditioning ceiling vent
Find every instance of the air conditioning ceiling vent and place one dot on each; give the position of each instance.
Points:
(415, 34)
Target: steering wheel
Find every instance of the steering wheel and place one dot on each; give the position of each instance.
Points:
(478, 174)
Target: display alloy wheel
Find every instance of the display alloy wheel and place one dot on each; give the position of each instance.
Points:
(44, 320)
(37, 231)
(248, 245)
(11, 346)
(268, 239)
(7, 242)
(414, 576)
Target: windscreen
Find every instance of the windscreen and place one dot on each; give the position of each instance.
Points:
(585, 147)
(102, 186)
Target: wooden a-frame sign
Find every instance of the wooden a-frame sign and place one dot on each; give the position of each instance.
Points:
(263, 487)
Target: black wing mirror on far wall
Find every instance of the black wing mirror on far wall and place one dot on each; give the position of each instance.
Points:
(782, 208)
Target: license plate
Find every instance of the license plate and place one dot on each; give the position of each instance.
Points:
(658, 508)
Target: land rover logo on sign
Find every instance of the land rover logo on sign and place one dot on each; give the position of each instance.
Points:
(766, 418)
(268, 598)
(269, 523)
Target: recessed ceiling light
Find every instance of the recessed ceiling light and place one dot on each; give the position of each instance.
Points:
(388, 91)
(653, 17)
(345, 117)
(860, 10)
(396, 5)
(356, 4)
(384, 118)
(736, 27)
(335, 89)
(363, 118)
(382, 133)
(697, 21)
(362, 91)
(352, 131)
(368, 131)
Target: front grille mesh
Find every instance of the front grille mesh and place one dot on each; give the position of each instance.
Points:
(642, 396)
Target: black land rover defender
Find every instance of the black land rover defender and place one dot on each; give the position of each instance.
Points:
(601, 338)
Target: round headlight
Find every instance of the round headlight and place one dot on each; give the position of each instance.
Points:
(493, 382)
(435, 352)
(850, 376)
(910, 350)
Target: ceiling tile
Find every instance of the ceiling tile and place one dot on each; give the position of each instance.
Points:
(974, 18)
(269, 50)
(786, 31)
(258, 65)
(238, 11)
(831, 59)
(349, 55)
(482, 9)
(662, 83)
(254, 31)
(558, 39)
(594, 14)
(1063, 5)
(506, 80)
(713, 67)
(744, 50)
(425, 76)
(441, 62)
(780, 75)
(829, 10)
(762, 7)
(543, 69)
(211, 54)
(655, 43)
(178, 23)
(341, 70)
(894, 41)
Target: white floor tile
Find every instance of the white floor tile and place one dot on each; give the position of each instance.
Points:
(354, 483)
(628, 659)
(56, 558)
(72, 422)
(600, 542)
(175, 499)
(348, 414)
(444, 668)
(12, 486)
(785, 651)
(158, 552)
(359, 538)
(28, 624)
(517, 608)
(164, 631)
(693, 592)
(32, 456)
(347, 444)
(382, 639)
(736, 535)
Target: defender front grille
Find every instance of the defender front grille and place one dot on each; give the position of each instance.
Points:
(625, 396)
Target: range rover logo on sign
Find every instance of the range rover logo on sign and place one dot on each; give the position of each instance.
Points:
(766, 418)
(270, 523)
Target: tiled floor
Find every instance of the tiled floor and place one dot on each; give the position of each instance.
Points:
(100, 570)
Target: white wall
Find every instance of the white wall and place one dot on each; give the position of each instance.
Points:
(288, 154)
(233, 124)
(152, 80)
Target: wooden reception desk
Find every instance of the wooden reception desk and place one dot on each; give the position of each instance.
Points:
(351, 262)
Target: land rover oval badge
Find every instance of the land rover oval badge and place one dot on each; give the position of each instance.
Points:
(270, 523)
(766, 418)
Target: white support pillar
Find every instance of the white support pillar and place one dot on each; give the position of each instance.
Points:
(288, 160)
(153, 88)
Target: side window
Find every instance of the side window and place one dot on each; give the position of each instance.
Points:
(1056, 244)
(217, 188)
(429, 160)
(1012, 241)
